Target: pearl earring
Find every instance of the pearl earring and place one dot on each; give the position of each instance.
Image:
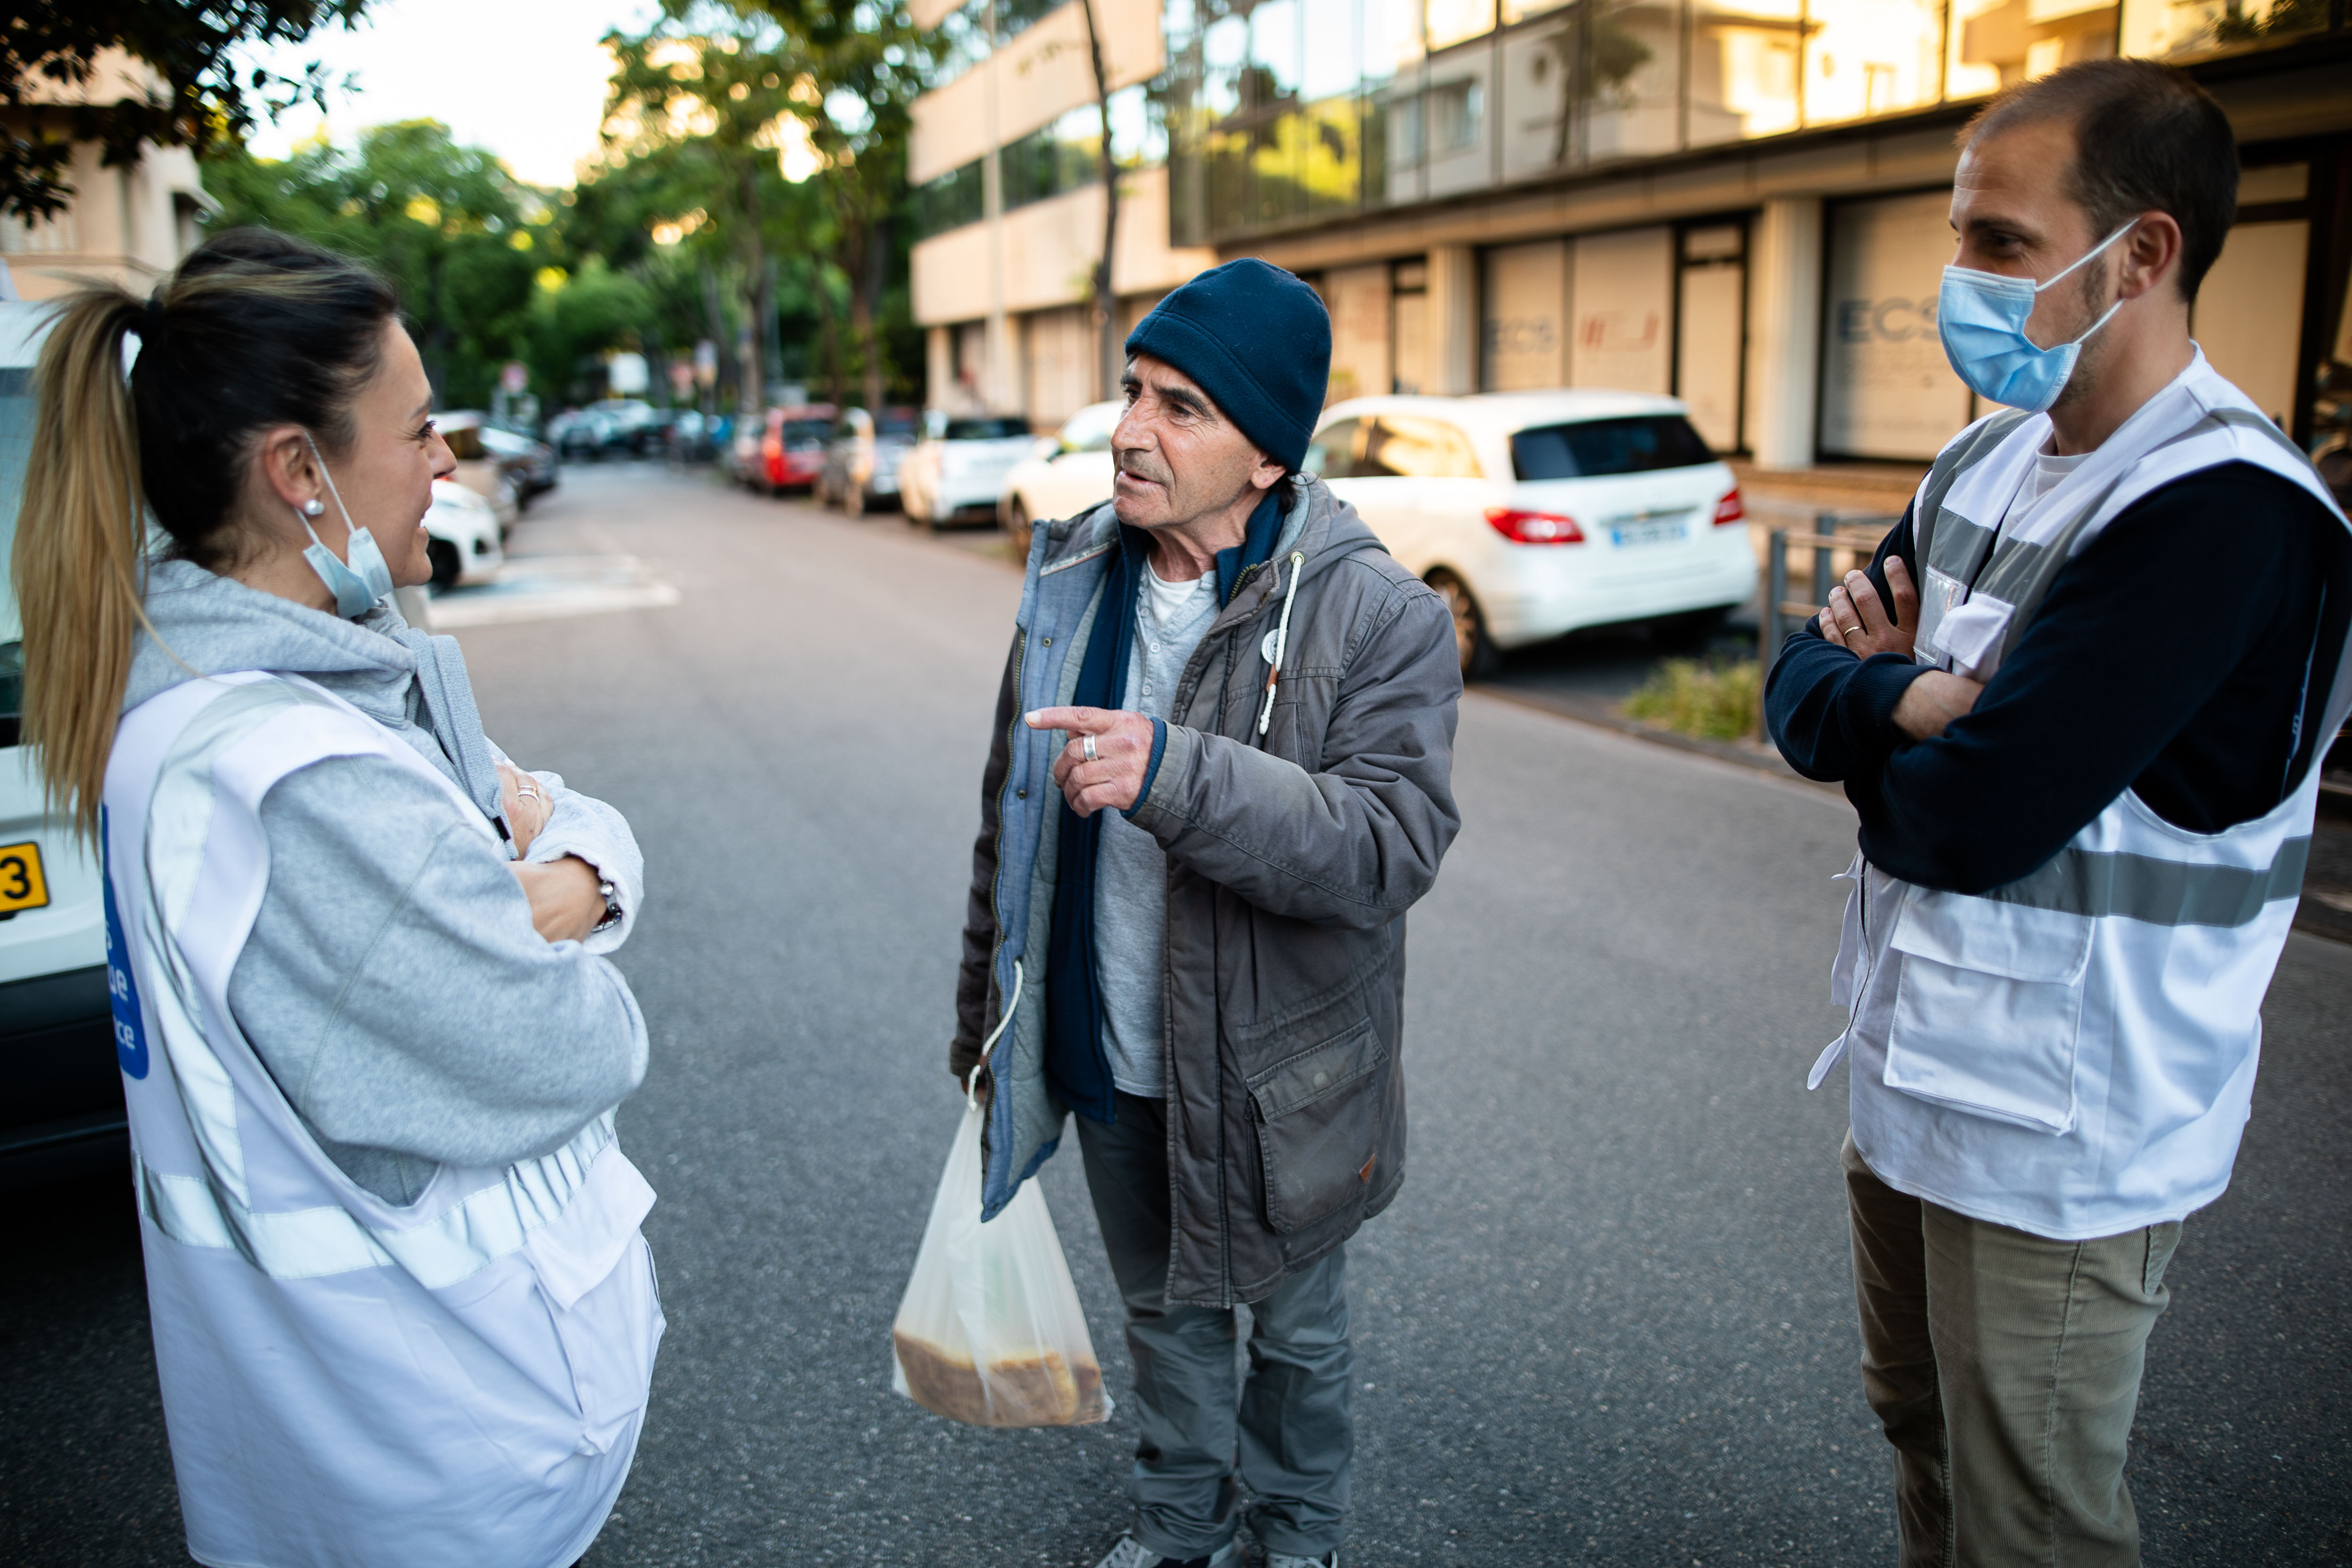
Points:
(313, 507)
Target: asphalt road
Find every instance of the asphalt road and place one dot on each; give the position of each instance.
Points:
(1608, 1322)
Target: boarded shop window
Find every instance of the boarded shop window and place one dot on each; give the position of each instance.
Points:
(1886, 389)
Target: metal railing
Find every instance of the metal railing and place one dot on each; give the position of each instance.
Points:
(1831, 534)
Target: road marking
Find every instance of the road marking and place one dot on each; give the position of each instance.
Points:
(545, 587)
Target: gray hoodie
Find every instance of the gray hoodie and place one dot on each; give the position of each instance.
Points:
(393, 983)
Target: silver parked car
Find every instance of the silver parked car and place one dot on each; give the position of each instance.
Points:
(861, 465)
(956, 472)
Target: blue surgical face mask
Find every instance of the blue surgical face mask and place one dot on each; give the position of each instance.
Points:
(1981, 319)
(363, 579)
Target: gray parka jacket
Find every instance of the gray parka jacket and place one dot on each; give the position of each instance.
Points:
(1292, 857)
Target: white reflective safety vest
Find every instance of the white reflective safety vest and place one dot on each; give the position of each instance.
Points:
(2072, 1053)
(346, 1383)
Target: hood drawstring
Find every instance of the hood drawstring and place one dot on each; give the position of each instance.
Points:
(1011, 1005)
(1281, 641)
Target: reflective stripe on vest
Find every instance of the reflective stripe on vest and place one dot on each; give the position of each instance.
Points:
(2097, 882)
(306, 1243)
(2071, 1054)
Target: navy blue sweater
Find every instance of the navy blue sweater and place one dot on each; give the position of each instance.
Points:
(2185, 655)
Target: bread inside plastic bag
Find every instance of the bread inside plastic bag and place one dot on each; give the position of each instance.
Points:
(990, 1332)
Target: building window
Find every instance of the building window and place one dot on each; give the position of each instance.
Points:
(1456, 110)
(1288, 112)
(2167, 29)
(964, 35)
(952, 200)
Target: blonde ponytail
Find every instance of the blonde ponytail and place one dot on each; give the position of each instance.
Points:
(76, 563)
(254, 329)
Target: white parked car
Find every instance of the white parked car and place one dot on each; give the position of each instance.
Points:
(462, 529)
(956, 470)
(1534, 513)
(61, 1091)
(1069, 472)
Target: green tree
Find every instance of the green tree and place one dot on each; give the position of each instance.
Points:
(857, 71)
(575, 320)
(450, 227)
(207, 100)
(697, 105)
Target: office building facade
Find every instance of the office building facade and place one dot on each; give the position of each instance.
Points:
(1738, 202)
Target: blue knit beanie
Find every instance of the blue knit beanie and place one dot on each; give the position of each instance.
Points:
(1257, 341)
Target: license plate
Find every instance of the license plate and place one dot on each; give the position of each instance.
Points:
(22, 884)
(1653, 531)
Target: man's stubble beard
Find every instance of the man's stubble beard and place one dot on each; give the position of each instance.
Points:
(2083, 384)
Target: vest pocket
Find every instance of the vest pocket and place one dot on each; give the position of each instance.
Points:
(1987, 1008)
(596, 1274)
(1318, 1122)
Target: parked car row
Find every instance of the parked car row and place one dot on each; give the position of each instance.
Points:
(1532, 514)
(612, 427)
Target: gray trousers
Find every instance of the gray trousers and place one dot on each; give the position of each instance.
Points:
(2005, 1369)
(1286, 1433)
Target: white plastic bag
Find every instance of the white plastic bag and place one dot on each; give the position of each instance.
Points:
(990, 1332)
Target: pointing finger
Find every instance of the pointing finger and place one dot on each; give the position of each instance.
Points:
(1078, 721)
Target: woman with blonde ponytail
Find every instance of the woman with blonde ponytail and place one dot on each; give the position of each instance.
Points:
(371, 1045)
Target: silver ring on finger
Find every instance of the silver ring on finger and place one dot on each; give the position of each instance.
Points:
(1086, 748)
(1847, 632)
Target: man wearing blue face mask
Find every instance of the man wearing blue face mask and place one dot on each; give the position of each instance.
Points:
(2079, 701)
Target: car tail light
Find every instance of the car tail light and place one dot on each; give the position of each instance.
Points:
(1534, 527)
(1728, 509)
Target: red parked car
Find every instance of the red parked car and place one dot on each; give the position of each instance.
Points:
(791, 446)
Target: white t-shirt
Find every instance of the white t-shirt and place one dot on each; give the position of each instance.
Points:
(2049, 472)
(1130, 868)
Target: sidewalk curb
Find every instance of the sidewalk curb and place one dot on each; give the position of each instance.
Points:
(1602, 715)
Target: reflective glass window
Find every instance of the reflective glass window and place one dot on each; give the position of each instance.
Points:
(1871, 57)
(1594, 448)
(984, 429)
(1455, 21)
(1331, 454)
(1409, 447)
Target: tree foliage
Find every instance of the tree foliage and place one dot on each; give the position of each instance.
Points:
(724, 92)
(49, 49)
(454, 232)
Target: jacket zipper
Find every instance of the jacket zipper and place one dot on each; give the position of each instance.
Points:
(996, 877)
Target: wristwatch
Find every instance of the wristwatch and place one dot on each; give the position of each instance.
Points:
(612, 906)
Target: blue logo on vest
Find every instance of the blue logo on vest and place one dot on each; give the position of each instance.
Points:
(121, 991)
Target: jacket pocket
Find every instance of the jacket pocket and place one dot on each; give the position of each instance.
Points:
(1319, 1125)
(1987, 1008)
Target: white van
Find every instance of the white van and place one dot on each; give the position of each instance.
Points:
(60, 1089)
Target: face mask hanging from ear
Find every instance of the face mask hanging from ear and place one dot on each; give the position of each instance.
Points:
(1981, 317)
(362, 581)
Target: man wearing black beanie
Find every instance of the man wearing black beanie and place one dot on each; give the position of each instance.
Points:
(1220, 774)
